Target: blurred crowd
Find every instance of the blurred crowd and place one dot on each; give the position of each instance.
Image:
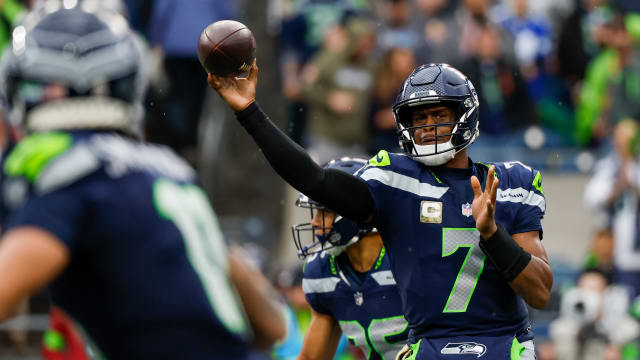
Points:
(549, 73)
(566, 69)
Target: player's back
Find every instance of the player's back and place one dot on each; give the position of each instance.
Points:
(148, 271)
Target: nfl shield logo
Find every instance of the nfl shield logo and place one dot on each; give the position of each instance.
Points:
(466, 210)
(358, 298)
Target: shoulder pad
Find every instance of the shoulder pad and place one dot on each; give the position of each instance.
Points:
(518, 174)
(33, 153)
(319, 265)
(381, 159)
(49, 161)
(320, 274)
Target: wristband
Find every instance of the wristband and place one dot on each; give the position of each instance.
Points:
(509, 257)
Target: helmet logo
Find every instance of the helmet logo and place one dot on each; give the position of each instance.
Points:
(423, 93)
(467, 135)
(468, 102)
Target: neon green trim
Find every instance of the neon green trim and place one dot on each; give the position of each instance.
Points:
(373, 343)
(464, 263)
(353, 339)
(379, 261)
(53, 341)
(12, 11)
(33, 153)
(634, 309)
(382, 159)
(632, 23)
(537, 182)
(332, 261)
(414, 350)
(435, 176)
(630, 351)
(516, 350)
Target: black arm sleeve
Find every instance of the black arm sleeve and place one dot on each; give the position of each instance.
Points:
(345, 194)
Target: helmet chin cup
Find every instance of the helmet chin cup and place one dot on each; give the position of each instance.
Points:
(426, 154)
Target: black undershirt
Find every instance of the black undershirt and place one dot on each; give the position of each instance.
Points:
(345, 194)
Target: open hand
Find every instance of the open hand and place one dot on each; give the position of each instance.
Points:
(237, 92)
(484, 204)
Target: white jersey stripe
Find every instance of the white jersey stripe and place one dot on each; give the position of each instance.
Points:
(383, 277)
(323, 285)
(523, 196)
(403, 182)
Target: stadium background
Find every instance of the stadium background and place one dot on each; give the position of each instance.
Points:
(256, 207)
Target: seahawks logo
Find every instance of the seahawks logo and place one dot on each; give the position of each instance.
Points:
(464, 348)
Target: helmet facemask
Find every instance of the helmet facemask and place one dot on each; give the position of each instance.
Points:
(431, 86)
(333, 234)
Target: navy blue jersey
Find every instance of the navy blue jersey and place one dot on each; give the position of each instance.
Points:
(369, 312)
(447, 286)
(148, 275)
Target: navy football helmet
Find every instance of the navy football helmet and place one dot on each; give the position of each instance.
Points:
(431, 85)
(74, 64)
(335, 237)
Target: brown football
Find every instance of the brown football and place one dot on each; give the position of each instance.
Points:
(226, 48)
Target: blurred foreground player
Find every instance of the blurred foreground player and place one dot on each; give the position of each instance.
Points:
(348, 283)
(464, 256)
(119, 228)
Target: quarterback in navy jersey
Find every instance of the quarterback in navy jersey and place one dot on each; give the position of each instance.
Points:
(463, 237)
(348, 283)
(118, 228)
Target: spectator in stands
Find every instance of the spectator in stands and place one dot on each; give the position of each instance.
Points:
(613, 190)
(338, 86)
(302, 34)
(533, 52)
(531, 32)
(594, 323)
(173, 24)
(504, 104)
(396, 28)
(576, 41)
(395, 66)
(595, 116)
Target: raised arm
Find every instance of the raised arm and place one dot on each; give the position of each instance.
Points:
(343, 193)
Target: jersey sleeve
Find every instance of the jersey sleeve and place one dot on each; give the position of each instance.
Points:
(526, 193)
(60, 213)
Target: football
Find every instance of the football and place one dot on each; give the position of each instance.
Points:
(226, 48)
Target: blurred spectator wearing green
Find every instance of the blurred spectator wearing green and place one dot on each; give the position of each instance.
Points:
(611, 89)
(11, 12)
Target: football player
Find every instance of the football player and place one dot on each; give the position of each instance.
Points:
(128, 242)
(347, 282)
(463, 237)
